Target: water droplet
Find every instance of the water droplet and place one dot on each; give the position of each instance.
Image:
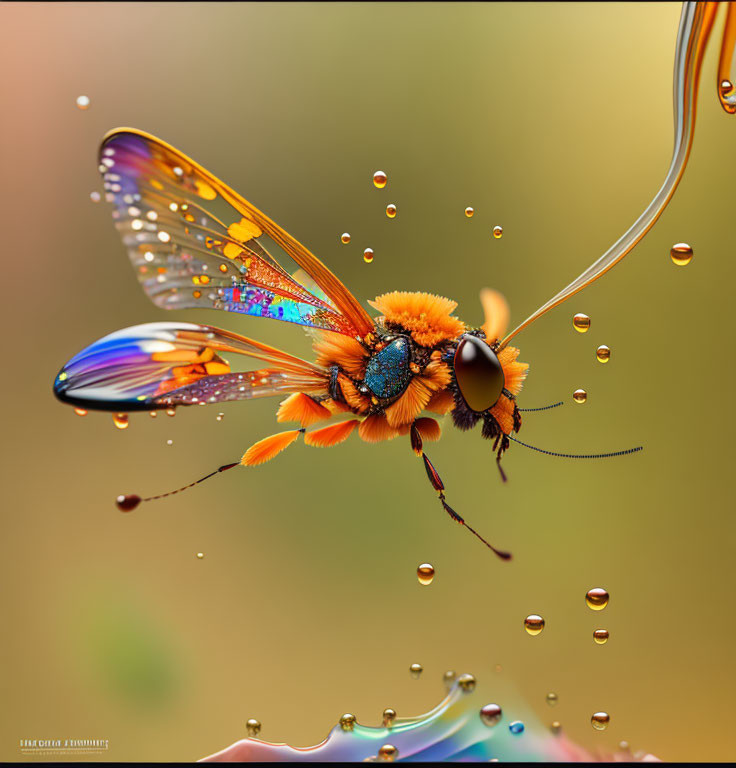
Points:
(347, 722)
(603, 354)
(466, 683)
(681, 254)
(490, 714)
(533, 624)
(552, 698)
(380, 179)
(600, 721)
(120, 420)
(449, 678)
(368, 255)
(425, 574)
(153, 414)
(581, 322)
(345, 237)
(389, 715)
(169, 442)
(391, 211)
(516, 727)
(253, 727)
(223, 267)
(597, 599)
(95, 197)
(171, 411)
(469, 212)
(200, 556)
(623, 746)
(498, 232)
(128, 502)
(600, 636)
(197, 294)
(80, 411)
(579, 395)
(415, 670)
(726, 88)
(388, 753)
(555, 727)
(220, 416)
(83, 102)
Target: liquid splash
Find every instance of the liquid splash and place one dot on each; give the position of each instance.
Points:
(463, 727)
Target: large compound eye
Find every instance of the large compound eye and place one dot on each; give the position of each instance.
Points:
(478, 373)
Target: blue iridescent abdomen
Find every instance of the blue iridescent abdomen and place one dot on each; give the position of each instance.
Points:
(387, 372)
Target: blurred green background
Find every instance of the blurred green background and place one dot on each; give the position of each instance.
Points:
(553, 120)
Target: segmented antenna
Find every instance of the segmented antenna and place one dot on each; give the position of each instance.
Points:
(578, 455)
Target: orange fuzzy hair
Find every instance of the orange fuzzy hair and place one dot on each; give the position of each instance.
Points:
(514, 373)
(335, 349)
(427, 317)
(300, 407)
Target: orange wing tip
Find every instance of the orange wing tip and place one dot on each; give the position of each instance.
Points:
(428, 428)
(332, 435)
(264, 450)
(375, 428)
(302, 409)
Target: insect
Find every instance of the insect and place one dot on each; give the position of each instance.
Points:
(195, 243)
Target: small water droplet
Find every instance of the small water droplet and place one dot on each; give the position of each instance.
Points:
(171, 411)
(449, 678)
(726, 87)
(498, 232)
(552, 698)
(169, 442)
(600, 721)
(581, 322)
(623, 746)
(555, 727)
(391, 211)
(490, 714)
(200, 555)
(389, 715)
(223, 267)
(600, 636)
(95, 197)
(83, 102)
(380, 179)
(220, 416)
(388, 753)
(579, 395)
(466, 683)
(597, 599)
(603, 354)
(253, 727)
(516, 727)
(681, 254)
(415, 670)
(533, 624)
(469, 212)
(345, 237)
(120, 420)
(128, 502)
(425, 574)
(80, 411)
(347, 721)
(153, 414)
(368, 255)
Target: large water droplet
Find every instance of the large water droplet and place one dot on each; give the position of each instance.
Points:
(388, 753)
(581, 322)
(253, 727)
(490, 714)
(347, 721)
(603, 354)
(579, 395)
(600, 636)
(516, 727)
(681, 254)
(600, 721)
(498, 232)
(597, 598)
(415, 670)
(425, 574)
(552, 698)
(389, 715)
(368, 255)
(80, 411)
(534, 624)
(391, 211)
(120, 420)
(345, 237)
(466, 683)
(380, 179)
(95, 197)
(83, 102)
(469, 212)
(200, 555)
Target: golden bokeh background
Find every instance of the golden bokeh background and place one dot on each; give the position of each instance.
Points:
(553, 120)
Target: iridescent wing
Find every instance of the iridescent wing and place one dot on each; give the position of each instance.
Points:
(194, 242)
(160, 365)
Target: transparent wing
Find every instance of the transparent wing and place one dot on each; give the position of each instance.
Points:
(194, 242)
(158, 365)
